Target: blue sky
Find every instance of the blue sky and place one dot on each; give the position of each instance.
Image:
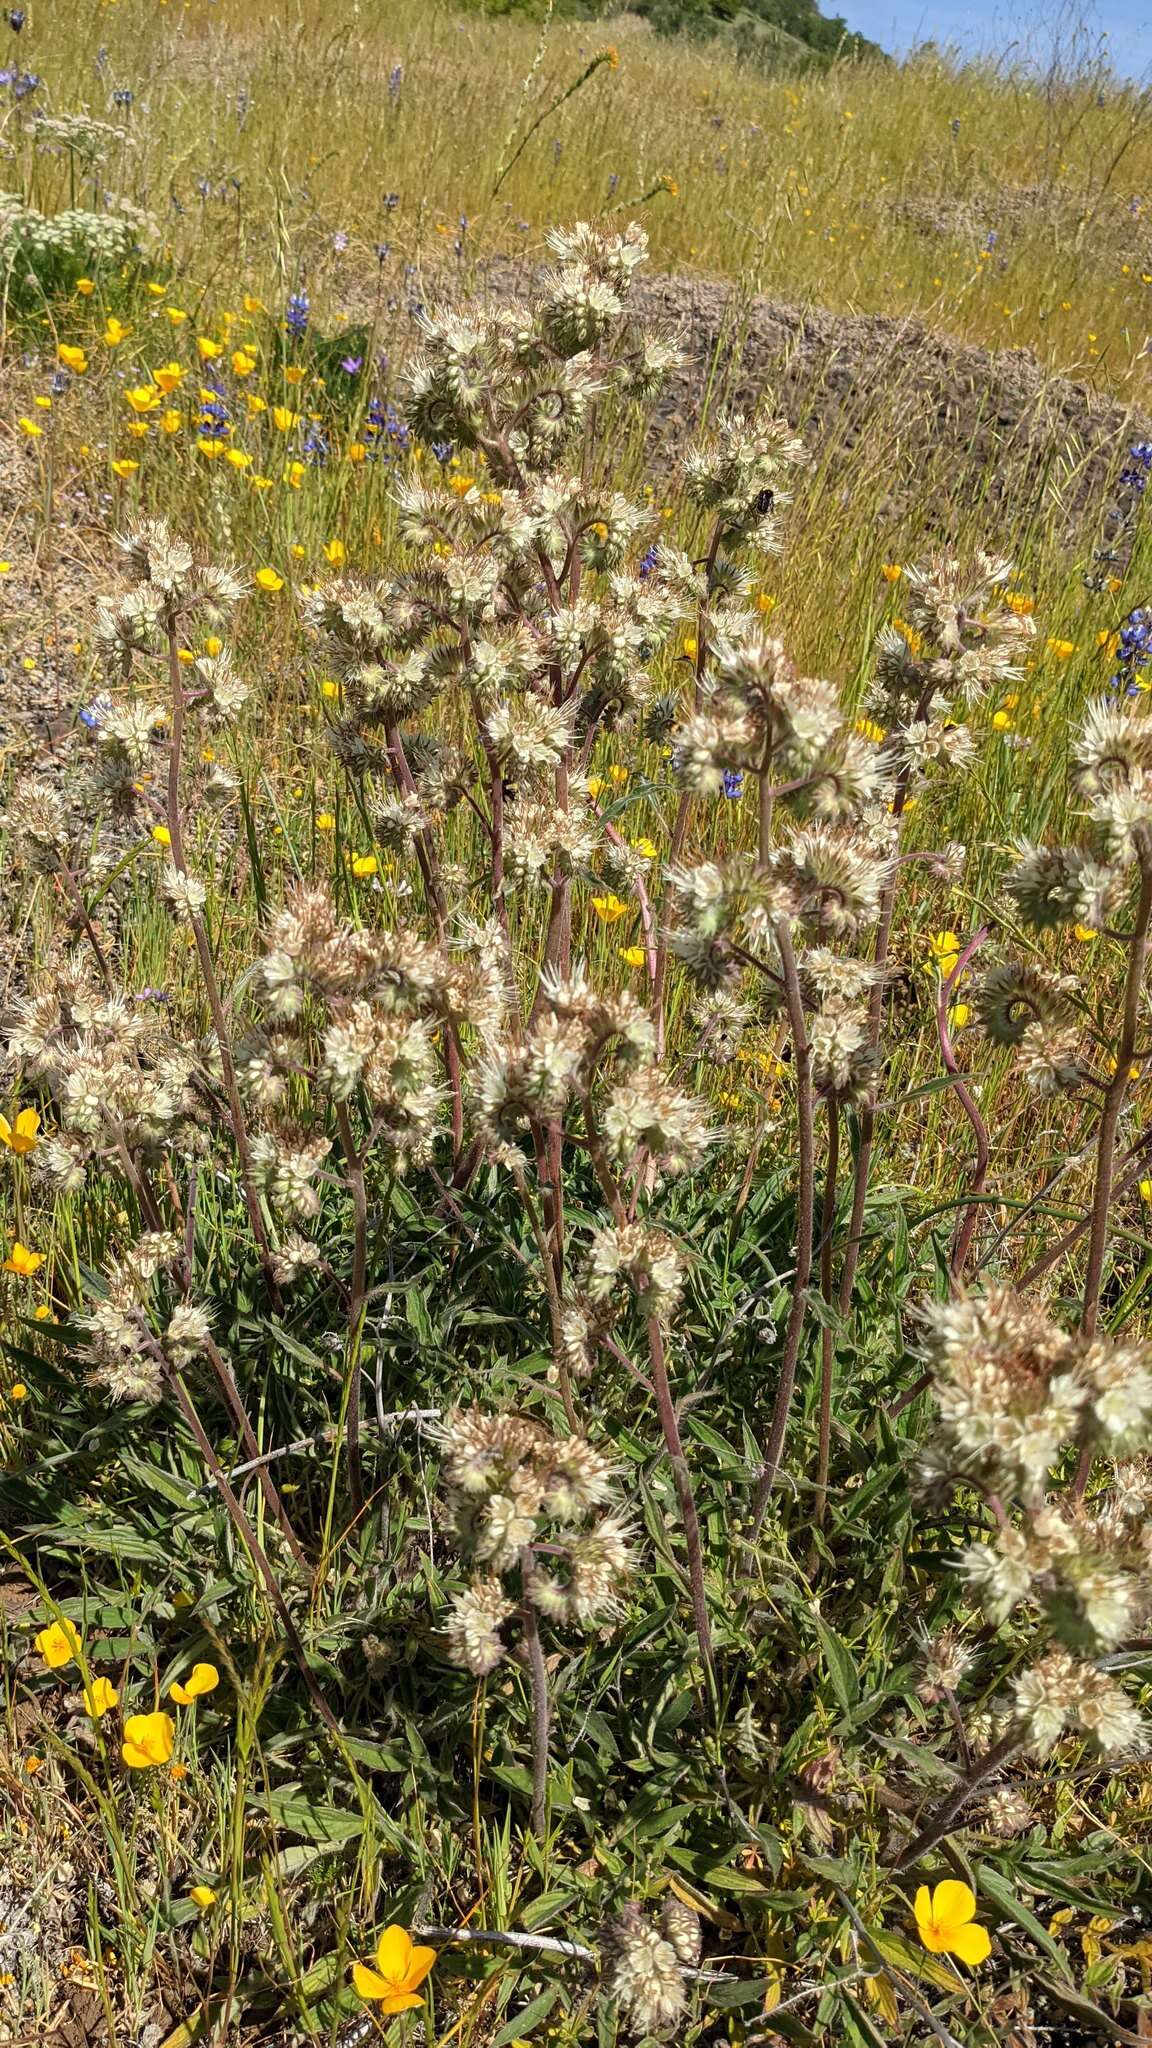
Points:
(897, 24)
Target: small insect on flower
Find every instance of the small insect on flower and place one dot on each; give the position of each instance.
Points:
(201, 1679)
(401, 1966)
(58, 1643)
(267, 579)
(99, 1698)
(22, 1136)
(945, 1922)
(148, 1740)
(21, 1260)
(609, 909)
(73, 359)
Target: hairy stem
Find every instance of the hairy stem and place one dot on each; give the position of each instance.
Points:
(805, 1217)
(208, 969)
(682, 1480)
(541, 1709)
(1116, 1093)
(966, 1225)
(827, 1335)
(944, 1819)
(357, 1294)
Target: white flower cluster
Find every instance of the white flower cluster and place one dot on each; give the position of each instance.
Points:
(533, 1512)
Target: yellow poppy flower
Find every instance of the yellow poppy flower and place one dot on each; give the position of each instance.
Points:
(21, 1260)
(294, 475)
(891, 572)
(944, 953)
(284, 419)
(401, 1967)
(73, 359)
(18, 1391)
(124, 468)
(21, 1136)
(609, 909)
(364, 864)
(202, 1895)
(253, 305)
(161, 834)
(239, 458)
(32, 428)
(148, 1740)
(155, 291)
(201, 1679)
(171, 421)
(243, 362)
(143, 398)
(208, 348)
(213, 646)
(946, 1925)
(254, 402)
(335, 553)
(99, 1698)
(85, 287)
(632, 956)
(168, 376)
(58, 1643)
(1062, 649)
(325, 821)
(176, 314)
(114, 332)
(293, 374)
(267, 579)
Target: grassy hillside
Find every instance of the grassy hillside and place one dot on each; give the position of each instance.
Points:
(563, 955)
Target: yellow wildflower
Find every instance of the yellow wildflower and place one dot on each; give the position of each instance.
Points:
(400, 1967)
(58, 1643)
(201, 1679)
(21, 1136)
(99, 1698)
(945, 1922)
(609, 909)
(73, 359)
(267, 579)
(148, 1739)
(21, 1260)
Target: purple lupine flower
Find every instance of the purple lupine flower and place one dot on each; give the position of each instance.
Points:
(296, 313)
